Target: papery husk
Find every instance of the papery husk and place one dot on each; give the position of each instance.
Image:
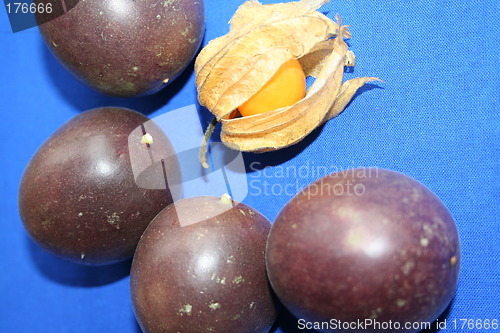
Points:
(232, 68)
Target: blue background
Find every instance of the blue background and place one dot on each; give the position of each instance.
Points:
(436, 118)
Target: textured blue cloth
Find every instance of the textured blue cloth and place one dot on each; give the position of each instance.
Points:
(436, 118)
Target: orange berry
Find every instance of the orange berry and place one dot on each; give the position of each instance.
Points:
(285, 88)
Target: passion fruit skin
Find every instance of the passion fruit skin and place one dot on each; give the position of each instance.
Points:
(364, 244)
(78, 196)
(126, 48)
(209, 276)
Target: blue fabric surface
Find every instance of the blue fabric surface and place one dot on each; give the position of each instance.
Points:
(436, 118)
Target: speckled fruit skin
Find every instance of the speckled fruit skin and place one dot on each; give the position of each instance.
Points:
(127, 48)
(362, 244)
(78, 197)
(208, 276)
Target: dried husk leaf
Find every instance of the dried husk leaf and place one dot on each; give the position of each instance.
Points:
(232, 68)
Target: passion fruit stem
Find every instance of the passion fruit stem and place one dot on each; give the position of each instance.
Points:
(226, 199)
(147, 139)
(204, 143)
